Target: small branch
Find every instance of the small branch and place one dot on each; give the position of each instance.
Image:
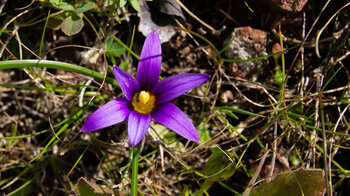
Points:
(256, 174)
(274, 154)
(195, 17)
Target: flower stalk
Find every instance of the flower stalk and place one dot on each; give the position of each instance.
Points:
(134, 169)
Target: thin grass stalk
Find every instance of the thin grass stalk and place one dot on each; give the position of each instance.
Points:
(328, 193)
(43, 34)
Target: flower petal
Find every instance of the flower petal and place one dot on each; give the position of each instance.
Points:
(109, 114)
(137, 126)
(127, 83)
(150, 61)
(173, 118)
(174, 86)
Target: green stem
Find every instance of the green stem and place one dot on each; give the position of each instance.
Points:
(134, 172)
(43, 34)
(11, 64)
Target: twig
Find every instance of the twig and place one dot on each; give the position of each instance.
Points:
(14, 18)
(161, 152)
(229, 16)
(323, 28)
(8, 40)
(43, 19)
(20, 44)
(307, 35)
(195, 17)
(274, 154)
(241, 94)
(218, 85)
(2, 5)
(53, 130)
(29, 50)
(81, 94)
(190, 35)
(22, 8)
(256, 174)
(302, 85)
(332, 90)
(346, 55)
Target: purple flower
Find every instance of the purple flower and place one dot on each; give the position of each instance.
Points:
(147, 98)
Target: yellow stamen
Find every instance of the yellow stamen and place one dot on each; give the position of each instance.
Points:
(144, 97)
(143, 102)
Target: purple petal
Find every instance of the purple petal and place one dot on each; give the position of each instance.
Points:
(150, 61)
(127, 83)
(174, 86)
(173, 118)
(111, 113)
(137, 126)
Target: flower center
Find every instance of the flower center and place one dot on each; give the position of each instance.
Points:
(143, 102)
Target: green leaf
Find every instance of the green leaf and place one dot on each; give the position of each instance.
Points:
(124, 66)
(108, 3)
(160, 132)
(55, 1)
(278, 77)
(26, 189)
(61, 5)
(229, 113)
(219, 167)
(185, 191)
(250, 9)
(122, 3)
(87, 188)
(204, 135)
(240, 111)
(135, 4)
(84, 6)
(343, 97)
(113, 48)
(56, 21)
(302, 182)
(72, 25)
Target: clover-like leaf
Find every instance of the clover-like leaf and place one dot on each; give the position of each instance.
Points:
(56, 21)
(72, 25)
(84, 6)
(61, 5)
(113, 48)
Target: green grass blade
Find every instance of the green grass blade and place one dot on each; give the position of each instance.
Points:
(240, 111)
(12, 64)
